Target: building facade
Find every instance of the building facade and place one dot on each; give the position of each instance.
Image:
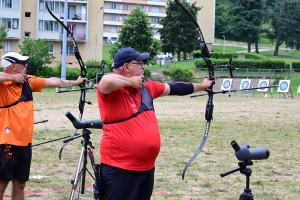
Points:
(30, 19)
(92, 22)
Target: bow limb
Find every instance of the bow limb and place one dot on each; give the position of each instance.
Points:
(209, 105)
(82, 99)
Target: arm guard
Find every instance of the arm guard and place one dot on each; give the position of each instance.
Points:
(181, 88)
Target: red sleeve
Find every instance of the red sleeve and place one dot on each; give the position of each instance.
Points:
(155, 88)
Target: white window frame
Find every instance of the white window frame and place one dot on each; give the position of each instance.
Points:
(155, 9)
(114, 6)
(7, 46)
(113, 29)
(52, 48)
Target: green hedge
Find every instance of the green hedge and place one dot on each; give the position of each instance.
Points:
(238, 63)
(296, 65)
(254, 56)
(217, 55)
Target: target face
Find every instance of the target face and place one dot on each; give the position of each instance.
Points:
(245, 85)
(226, 84)
(263, 84)
(284, 85)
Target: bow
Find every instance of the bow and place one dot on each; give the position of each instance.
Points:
(82, 99)
(209, 105)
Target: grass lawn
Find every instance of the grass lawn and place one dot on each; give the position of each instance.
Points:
(256, 121)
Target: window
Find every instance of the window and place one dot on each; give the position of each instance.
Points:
(70, 49)
(155, 9)
(154, 20)
(53, 6)
(126, 7)
(7, 46)
(6, 4)
(114, 6)
(48, 25)
(27, 35)
(51, 48)
(27, 14)
(113, 29)
(9, 23)
(15, 24)
(114, 18)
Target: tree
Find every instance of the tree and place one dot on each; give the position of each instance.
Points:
(178, 33)
(285, 23)
(246, 20)
(138, 34)
(3, 35)
(221, 20)
(38, 51)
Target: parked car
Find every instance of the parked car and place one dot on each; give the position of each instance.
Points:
(164, 56)
(111, 41)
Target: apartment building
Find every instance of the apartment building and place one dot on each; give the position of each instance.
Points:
(30, 19)
(92, 22)
(115, 11)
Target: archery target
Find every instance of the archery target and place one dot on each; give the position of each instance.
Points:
(284, 86)
(227, 84)
(245, 84)
(263, 83)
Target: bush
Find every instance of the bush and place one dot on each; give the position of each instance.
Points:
(197, 54)
(238, 63)
(147, 73)
(178, 73)
(217, 55)
(296, 65)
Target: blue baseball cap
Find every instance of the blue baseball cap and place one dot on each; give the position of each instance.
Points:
(127, 55)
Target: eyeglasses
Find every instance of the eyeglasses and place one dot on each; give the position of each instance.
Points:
(137, 63)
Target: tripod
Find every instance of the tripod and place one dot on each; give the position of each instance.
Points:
(247, 194)
(86, 150)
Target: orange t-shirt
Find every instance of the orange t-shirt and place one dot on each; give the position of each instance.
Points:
(16, 122)
(133, 144)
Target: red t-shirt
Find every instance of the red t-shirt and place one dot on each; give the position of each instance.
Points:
(135, 143)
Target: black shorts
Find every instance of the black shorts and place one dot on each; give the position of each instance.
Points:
(17, 161)
(123, 184)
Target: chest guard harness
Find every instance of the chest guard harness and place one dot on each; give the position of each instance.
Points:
(146, 104)
(26, 95)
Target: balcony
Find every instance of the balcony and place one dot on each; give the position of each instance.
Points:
(79, 37)
(74, 16)
(13, 34)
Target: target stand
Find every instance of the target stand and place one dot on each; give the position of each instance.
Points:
(245, 84)
(266, 91)
(285, 88)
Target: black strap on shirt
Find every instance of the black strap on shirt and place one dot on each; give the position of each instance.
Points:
(146, 104)
(26, 95)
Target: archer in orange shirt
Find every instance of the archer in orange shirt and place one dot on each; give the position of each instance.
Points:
(17, 118)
